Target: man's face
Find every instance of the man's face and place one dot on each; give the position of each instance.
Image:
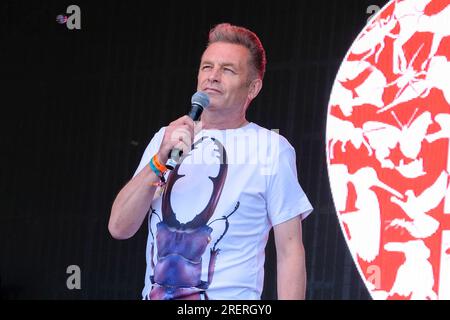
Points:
(224, 76)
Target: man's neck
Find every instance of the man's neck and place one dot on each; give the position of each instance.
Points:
(211, 121)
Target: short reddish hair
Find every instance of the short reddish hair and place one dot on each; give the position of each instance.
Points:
(228, 33)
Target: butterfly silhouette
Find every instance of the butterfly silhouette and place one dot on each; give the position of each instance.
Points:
(384, 137)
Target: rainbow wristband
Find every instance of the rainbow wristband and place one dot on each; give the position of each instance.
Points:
(157, 167)
(154, 169)
(158, 164)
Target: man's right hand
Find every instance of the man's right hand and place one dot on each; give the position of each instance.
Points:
(179, 134)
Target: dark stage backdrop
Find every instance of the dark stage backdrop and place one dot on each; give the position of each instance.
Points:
(79, 107)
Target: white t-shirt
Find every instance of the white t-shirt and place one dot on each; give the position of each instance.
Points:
(256, 188)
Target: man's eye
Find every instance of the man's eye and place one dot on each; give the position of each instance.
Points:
(206, 67)
(229, 70)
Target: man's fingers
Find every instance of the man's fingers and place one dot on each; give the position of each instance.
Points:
(184, 147)
(178, 131)
(182, 135)
(184, 121)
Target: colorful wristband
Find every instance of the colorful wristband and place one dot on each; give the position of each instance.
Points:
(158, 169)
(154, 168)
(158, 164)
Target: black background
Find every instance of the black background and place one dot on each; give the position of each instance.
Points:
(79, 107)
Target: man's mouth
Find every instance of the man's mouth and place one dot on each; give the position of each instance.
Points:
(212, 90)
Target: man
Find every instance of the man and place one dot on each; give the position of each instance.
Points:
(211, 215)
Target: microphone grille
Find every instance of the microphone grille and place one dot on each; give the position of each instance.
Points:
(200, 98)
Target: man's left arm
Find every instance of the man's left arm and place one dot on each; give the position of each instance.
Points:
(291, 268)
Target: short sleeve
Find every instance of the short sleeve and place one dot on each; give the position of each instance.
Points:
(151, 150)
(285, 197)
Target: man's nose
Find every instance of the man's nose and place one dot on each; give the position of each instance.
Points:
(214, 75)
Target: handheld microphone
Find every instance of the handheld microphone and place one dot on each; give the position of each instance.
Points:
(199, 101)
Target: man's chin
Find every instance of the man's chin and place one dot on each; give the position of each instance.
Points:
(214, 102)
(212, 107)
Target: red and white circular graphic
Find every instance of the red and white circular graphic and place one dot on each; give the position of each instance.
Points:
(388, 155)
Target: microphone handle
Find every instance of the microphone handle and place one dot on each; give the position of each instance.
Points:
(175, 153)
(195, 112)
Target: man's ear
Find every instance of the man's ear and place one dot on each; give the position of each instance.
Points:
(255, 88)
